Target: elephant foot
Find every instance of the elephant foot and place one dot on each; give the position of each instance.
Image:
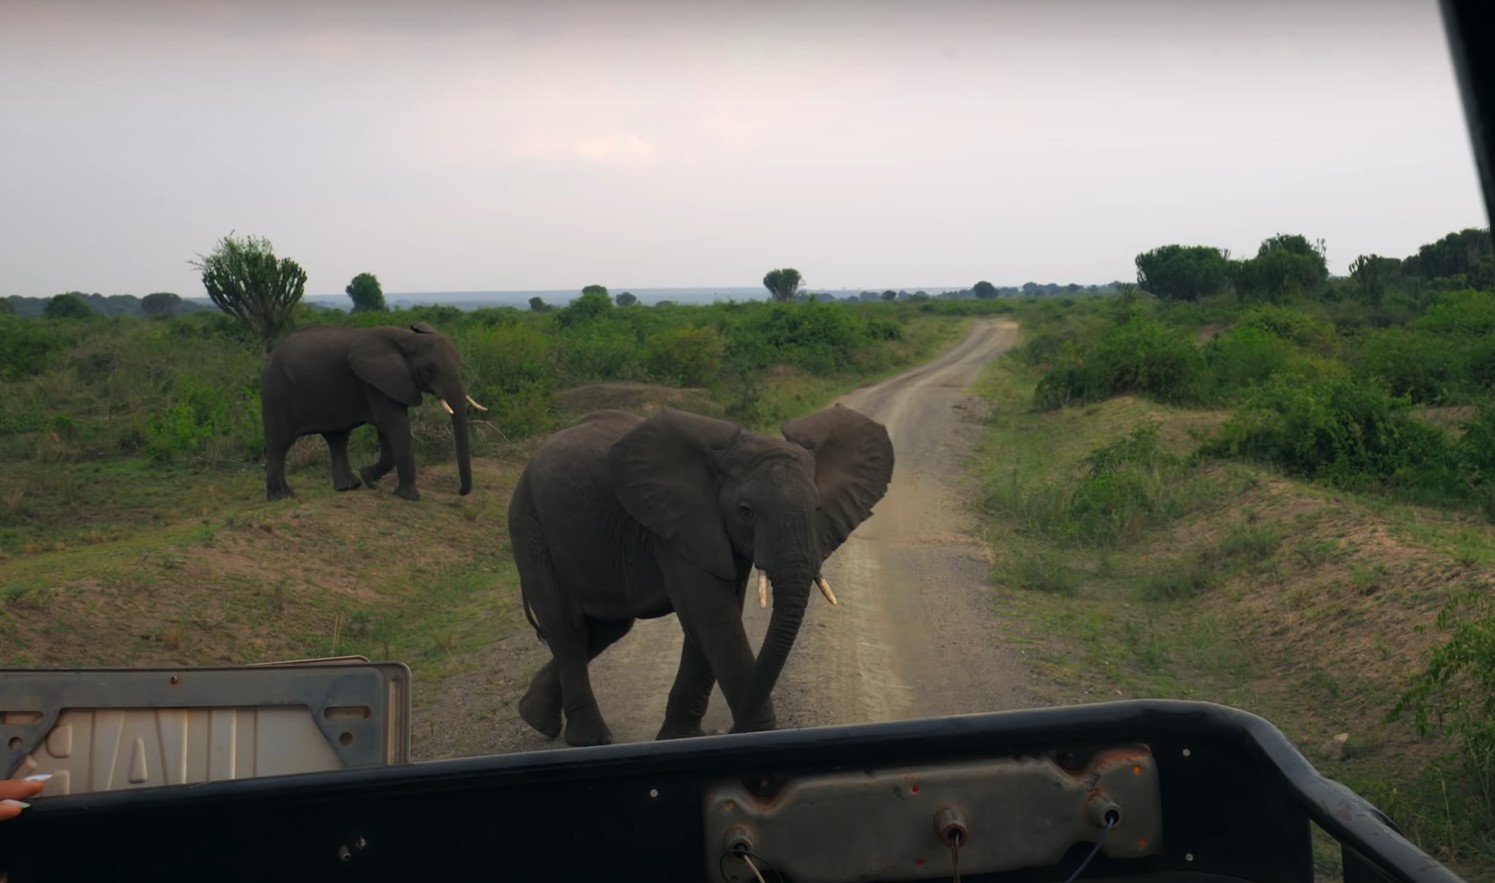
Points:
(679, 731)
(346, 484)
(407, 493)
(370, 476)
(283, 492)
(543, 716)
(762, 724)
(581, 735)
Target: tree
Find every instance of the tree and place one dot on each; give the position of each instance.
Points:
(1183, 272)
(69, 305)
(538, 304)
(1373, 274)
(890, 295)
(6, 307)
(160, 304)
(245, 280)
(1284, 265)
(592, 304)
(366, 293)
(626, 299)
(783, 284)
(984, 290)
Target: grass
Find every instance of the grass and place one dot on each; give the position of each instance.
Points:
(1133, 569)
(122, 560)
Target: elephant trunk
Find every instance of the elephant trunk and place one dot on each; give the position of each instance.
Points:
(456, 404)
(791, 595)
(464, 454)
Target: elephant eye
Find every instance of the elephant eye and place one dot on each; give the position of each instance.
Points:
(746, 510)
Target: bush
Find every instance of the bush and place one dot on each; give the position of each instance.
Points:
(1308, 332)
(1412, 363)
(685, 356)
(1140, 357)
(1455, 696)
(1246, 357)
(1338, 430)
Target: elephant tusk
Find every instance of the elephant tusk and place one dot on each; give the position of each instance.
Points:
(444, 406)
(475, 404)
(825, 589)
(762, 589)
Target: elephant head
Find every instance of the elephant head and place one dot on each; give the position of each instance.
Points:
(723, 498)
(403, 364)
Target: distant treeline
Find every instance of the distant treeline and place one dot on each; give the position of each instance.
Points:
(76, 304)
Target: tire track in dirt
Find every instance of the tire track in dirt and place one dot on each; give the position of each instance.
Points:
(915, 633)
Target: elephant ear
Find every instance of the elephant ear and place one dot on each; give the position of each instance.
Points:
(853, 465)
(381, 363)
(664, 474)
(422, 328)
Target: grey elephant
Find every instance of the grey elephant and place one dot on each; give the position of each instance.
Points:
(330, 380)
(619, 518)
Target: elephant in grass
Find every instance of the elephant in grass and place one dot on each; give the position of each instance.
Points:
(619, 518)
(331, 380)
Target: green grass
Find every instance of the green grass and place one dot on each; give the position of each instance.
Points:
(1228, 582)
(111, 555)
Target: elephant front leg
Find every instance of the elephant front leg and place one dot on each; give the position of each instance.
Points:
(712, 618)
(690, 696)
(343, 478)
(543, 702)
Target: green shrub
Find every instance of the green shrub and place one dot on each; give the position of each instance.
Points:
(1246, 357)
(1288, 323)
(1139, 357)
(1455, 696)
(1409, 363)
(1469, 313)
(1344, 432)
(685, 356)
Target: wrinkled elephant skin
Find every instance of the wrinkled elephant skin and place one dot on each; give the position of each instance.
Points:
(619, 518)
(331, 380)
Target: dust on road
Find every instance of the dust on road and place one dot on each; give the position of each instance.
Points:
(915, 633)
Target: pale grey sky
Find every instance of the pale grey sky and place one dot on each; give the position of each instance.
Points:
(461, 146)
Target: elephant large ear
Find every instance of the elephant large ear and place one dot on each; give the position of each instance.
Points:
(381, 362)
(853, 465)
(664, 474)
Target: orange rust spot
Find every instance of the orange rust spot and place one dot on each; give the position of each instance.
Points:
(1142, 844)
(1136, 770)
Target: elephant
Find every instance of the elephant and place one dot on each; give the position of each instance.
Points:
(620, 517)
(331, 380)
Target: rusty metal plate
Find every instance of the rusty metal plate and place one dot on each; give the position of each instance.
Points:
(896, 824)
(113, 729)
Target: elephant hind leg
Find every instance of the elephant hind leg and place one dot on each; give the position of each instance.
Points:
(343, 478)
(276, 487)
(376, 471)
(543, 701)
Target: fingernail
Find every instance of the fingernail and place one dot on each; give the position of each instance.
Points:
(39, 777)
(18, 803)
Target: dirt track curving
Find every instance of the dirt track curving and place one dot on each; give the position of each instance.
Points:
(915, 633)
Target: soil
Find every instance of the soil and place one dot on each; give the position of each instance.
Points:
(916, 632)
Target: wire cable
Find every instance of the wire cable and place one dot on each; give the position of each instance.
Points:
(753, 868)
(1110, 823)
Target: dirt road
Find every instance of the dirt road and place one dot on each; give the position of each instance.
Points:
(915, 633)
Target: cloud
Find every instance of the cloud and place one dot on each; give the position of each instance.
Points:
(626, 150)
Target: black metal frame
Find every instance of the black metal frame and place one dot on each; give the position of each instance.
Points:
(1238, 800)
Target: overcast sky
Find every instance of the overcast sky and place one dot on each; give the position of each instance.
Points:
(461, 146)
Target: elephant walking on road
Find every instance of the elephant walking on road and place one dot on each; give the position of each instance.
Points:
(620, 518)
(331, 380)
